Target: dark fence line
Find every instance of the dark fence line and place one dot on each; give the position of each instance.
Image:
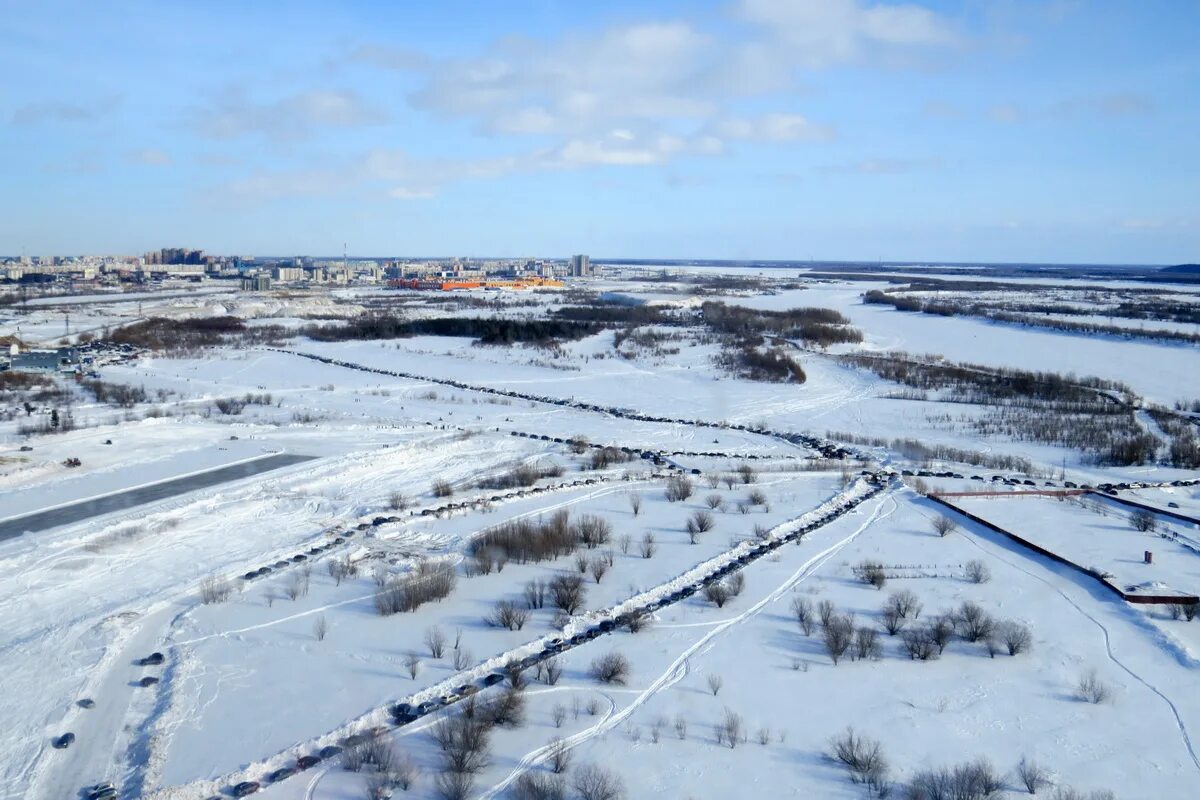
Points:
(1146, 599)
(1143, 506)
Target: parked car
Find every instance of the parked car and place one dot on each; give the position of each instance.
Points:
(307, 762)
(329, 751)
(86, 702)
(149, 680)
(64, 741)
(283, 773)
(246, 788)
(152, 660)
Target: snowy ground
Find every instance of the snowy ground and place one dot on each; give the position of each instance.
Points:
(247, 683)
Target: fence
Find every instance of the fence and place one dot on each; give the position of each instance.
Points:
(1146, 599)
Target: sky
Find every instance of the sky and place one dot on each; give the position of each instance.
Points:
(978, 130)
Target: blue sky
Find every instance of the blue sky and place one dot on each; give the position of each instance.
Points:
(981, 130)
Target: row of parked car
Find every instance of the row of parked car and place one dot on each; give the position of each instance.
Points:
(643, 453)
(826, 448)
(1017, 480)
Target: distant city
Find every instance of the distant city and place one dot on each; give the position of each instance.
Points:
(175, 264)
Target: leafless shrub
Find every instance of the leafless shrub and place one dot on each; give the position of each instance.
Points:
(442, 488)
(507, 710)
(626, 540)
(215, 589)
(593, 707)
(893, 620)
(535, 594)
(397, 501)
(1031, 775)
(320, 627)
(802, 609)
(978, 572)
(598, 567)
(431, 582)
(1091, 689)
(746, 473)
(296, 587)
(757, 497)
(596, 783)
(568, 593)
(341, 568)
(637, 622)
(1186, 611)
(435, 640)
(976, 780)
(454, 785)
(736, 583)
(378, 753)
(649, 548)
(635, 503)
(464, 742)
(870, 572)
(352, 758)
(1016, 637)
(1143, 521)
(715, 682)
(974, 623)
(866, 644)
(507, 614)
(717, 593)
(681, 727)
(593, 531)
(730, 730)
(905, 603)
(539, 786)
(714, 501)
(560, 755)
(461, 658)
(825, 612)
(559, 715)
(679, 488)
(920, 644)
(610, 668)
(944, 526)
(761, 532)
(764, 736)
(864, 758)
(839, 633)
(412, 662)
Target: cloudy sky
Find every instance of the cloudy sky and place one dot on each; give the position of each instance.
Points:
(982, 130)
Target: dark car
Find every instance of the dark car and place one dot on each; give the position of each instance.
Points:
(307, 762)
(283, 773)
(152, 660)
(149, 680)
(493, 678)
(64, 741)
(86, 702)
(245, 788)
(329, 751)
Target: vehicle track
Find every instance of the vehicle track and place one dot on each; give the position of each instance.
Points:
(679, 668)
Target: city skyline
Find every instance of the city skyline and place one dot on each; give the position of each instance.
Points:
(744, 129)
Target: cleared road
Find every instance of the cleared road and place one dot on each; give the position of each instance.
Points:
(86, 509)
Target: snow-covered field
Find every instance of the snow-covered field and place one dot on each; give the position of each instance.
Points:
(248, 686)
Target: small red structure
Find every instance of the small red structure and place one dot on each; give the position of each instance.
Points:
(1148, 557)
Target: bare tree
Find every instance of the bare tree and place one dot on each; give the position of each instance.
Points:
(610, 668)
(560, 754)
(435, 640)
(729, 730)
(567, 593)
(581, 563)
(626, 540)
(412, 662)
(539, 786)
(905, 603)
(1091, 689)
(974, 623)
(681, 727)
(746, 473)
(714, 501)
(320, 627)
(865, 760)
(870, 572)
(736, 583)
(977, 571)
(215, 589)
(866, 643)
(944, 526)
(461, 658)
(397, 501)
(535, 594)
(715, 682)
(717, 593)
(507, 614)
(442, 488)
(598, 567)
(699, 522)
(596, 783)
(802, 609)
(551, 671)
(559, 715)
(648, 546)
(679, 488)
(825, 612)
(1016, 637)
(454, 785)
(635, 502)
(1143, 521)
(1031, 775)
(296, 587)
(839, 633)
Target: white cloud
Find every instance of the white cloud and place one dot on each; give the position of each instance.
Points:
(151, 157)
(291, 117)
(829, 32)
(775, 128)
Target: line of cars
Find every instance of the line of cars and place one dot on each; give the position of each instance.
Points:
(826, 448)
(404, 713)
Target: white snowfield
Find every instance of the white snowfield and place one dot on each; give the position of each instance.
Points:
(248, 686)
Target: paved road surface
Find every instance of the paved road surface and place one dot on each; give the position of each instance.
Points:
(85, 509)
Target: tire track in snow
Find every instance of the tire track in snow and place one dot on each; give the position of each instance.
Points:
(1187, 739)
(679, 668)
